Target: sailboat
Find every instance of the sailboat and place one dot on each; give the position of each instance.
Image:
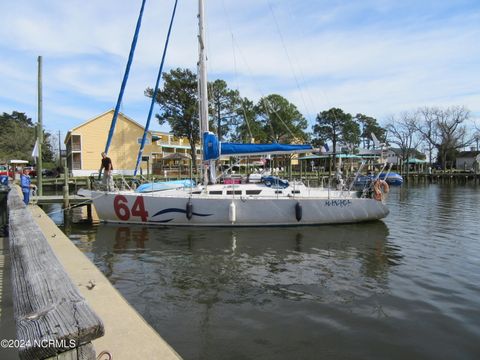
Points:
(272, 202)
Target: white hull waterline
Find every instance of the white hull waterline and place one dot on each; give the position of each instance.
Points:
(232, 205)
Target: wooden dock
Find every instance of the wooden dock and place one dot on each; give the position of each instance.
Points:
(48, 306)
(75, 200)
(63, 306)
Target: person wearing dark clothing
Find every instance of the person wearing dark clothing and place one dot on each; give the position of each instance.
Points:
(107, 175)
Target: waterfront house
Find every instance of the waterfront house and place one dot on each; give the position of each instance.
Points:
(85, 142)
(397, 156)
(467, 160)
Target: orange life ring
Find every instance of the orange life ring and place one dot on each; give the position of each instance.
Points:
(380, 187)
(385, 187)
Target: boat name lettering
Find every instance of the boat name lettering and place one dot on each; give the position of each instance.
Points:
(123, 212)
(338, 203)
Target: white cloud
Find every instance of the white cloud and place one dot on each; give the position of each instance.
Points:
(353, 55)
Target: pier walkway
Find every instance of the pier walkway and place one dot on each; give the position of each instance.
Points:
(59, 199)
(127, 334)
(7, 320)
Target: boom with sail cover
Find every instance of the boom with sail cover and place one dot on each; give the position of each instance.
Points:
(213, 149)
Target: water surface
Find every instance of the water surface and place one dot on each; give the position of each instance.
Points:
(405, 287)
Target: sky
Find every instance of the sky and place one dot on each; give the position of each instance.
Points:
(376, 57)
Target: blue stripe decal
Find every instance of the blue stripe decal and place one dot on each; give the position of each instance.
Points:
(170, 210)
(197, 214)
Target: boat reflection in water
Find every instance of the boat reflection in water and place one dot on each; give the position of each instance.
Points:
(205, 289)
(250, 240)
(262, 254)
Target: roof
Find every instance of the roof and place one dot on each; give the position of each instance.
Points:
(156, 132)
(326, 156)
(416, 161)
(468, 154)
(363, 152)
(412, 151)
(18, 162)
(175, 146)
(176, 156)
(98, 116)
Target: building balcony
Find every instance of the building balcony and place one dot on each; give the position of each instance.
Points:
(76, 147)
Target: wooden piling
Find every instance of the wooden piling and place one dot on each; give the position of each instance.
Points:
(89, 213)
(66, 201)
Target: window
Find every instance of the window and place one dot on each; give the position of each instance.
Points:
(236, 192)
(252, 192)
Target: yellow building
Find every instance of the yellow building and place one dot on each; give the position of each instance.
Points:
(86, 142)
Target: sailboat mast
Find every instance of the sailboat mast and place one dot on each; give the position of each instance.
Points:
(202, 64)
(202, 85)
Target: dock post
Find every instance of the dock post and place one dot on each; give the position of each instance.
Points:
(89, 213)
(39, 129)
(66, 201)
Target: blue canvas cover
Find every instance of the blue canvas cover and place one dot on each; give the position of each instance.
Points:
(211, 147)
(250, 149)
(164, 185)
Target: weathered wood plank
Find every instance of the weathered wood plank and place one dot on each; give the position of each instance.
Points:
(49, 310)
(15, 199)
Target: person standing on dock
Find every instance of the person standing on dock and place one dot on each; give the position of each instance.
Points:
(26, 186)
(107, 175)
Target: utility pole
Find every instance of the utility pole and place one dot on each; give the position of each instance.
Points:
(59, 151)
(40, 129)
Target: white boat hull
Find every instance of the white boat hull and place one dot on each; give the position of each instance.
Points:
(178, 210)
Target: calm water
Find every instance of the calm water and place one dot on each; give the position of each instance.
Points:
(407, 287)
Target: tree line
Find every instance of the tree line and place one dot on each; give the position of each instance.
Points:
(17, 138)
(437, 131)
(443, 132)
(274, 119)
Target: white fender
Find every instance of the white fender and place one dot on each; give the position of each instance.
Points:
(232, 212)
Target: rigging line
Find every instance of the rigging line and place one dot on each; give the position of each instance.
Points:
(229, 23)
(74, 205)
(125, 78)
(154, 96)
(262, 93)
(287, 54)
(268, 104)
(294, 20)
(322, 90)
(259, 89)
